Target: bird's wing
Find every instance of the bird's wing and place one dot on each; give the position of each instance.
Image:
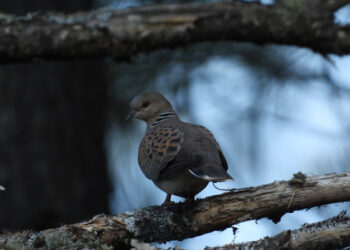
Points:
(213, 165)
(206, 132)
(158, 147)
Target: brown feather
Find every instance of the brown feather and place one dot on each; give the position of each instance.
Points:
(181, 158)
(159, 146)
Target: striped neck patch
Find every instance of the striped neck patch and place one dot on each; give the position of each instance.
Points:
(162, 117)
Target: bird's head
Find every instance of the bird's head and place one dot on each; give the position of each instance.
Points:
(148, 106)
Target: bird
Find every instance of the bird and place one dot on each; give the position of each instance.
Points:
(179, 157)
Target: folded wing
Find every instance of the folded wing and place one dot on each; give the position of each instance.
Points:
(158, 147)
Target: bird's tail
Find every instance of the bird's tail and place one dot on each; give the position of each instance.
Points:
(226, 177)
(211, 173)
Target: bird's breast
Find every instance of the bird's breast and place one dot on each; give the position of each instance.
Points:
(184, 185)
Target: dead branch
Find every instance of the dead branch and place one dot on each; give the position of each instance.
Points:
(123, 33)
(185, 220)
(333, 233)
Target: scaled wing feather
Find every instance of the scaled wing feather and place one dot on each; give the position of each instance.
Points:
(158, 147)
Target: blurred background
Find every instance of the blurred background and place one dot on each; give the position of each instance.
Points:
(66, 154)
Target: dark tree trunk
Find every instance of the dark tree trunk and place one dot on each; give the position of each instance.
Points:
(52, 122)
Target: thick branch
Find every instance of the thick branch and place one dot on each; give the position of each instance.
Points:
(184, 220)
(123, 33)
(333, 233)
(330, 5)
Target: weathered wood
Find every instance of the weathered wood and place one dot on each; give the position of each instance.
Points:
(185, 220)
(123, 33)
(333, 233)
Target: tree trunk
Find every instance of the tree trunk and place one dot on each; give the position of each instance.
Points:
(52, 123)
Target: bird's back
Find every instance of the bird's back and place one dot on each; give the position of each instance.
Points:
(200, 154)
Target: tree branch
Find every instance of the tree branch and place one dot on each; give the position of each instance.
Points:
(123, 33)
(185, 220)
(333, 233)
(329, 5)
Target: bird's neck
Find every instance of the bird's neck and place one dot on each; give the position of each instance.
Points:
(162, 117)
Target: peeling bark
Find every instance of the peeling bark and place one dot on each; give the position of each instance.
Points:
(189, 219)
(123, 33)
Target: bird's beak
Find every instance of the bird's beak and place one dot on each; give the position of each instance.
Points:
(130, 115)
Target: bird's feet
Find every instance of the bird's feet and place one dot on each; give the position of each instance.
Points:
(167, 200)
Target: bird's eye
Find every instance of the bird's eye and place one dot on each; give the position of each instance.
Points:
(145, 104)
